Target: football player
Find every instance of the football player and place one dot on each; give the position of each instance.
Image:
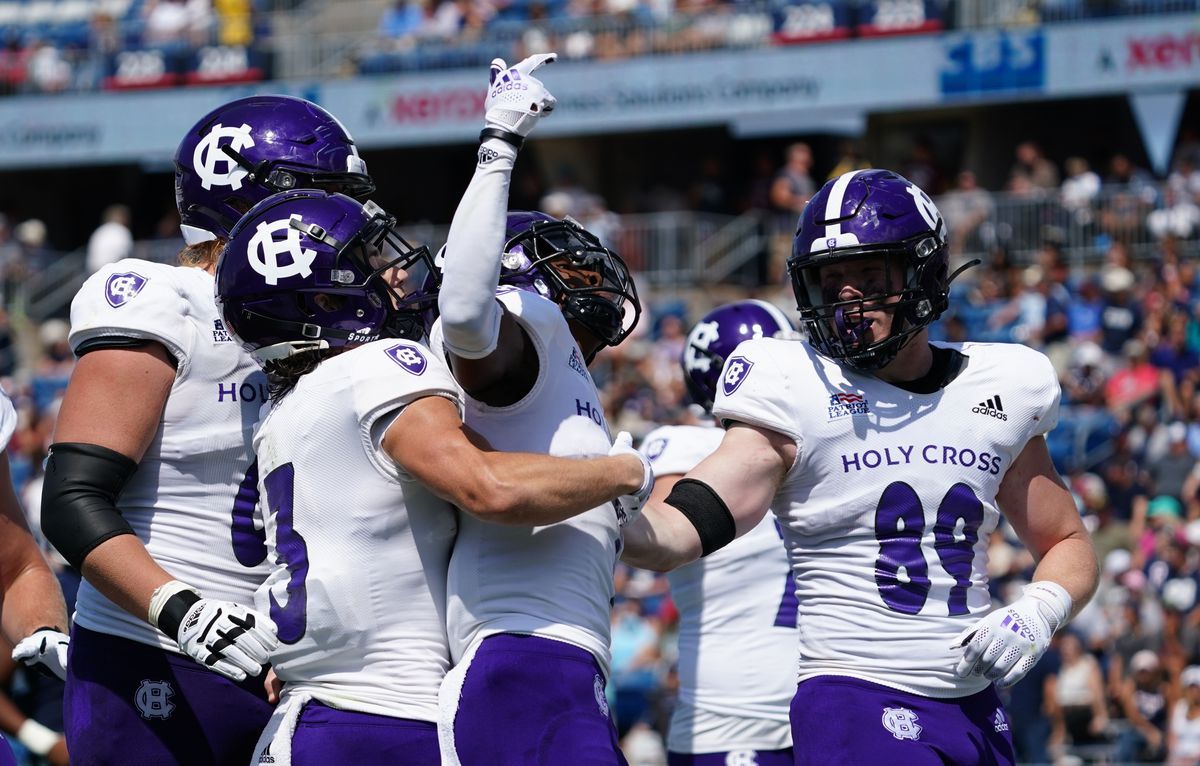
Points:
(528, 610)
(737, 607)
(360, 455)
(888, 460)
(150, 484)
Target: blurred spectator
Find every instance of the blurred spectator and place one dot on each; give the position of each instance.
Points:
(790, 192)
(922, 167)
(1121, 317)
(175, 22)
(235, 22)
(635, 661)
(1030, 708)
(1079, 191)
(850, 157)
(1178, 217)
(1183, 738)
(1128, 194)
(1079, 711)
(403, 22)
(793, 184)
(1134, 383)
(1171, 471)
(1034, 166)
(1143, 699)
(46, 68)
(1179, 362)
(111, 241)
(1084, 313)
(966, 209)
(1083, 382)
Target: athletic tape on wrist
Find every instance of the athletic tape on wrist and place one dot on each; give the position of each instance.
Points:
(38, 738)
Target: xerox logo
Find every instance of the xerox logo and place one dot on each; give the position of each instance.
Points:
(992, 408)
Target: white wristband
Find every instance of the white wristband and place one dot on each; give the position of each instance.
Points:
(1053, 601)
(39, 739)
(162, 594)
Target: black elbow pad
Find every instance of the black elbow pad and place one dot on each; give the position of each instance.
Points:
(707, 512)
(79, 496)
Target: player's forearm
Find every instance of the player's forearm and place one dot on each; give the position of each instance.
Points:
(533, 490)
(469, 312)
(32, 600)
(661, 539)
(1071, 563)
(123, 571)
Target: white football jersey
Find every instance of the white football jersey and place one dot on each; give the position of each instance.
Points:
(183, 501)
(358, 548)
(557, 580)
(737, 625)
(889, 505)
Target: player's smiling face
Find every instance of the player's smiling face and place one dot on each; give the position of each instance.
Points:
(868, 286)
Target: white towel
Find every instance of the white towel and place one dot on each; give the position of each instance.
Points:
(274, 746)
(449, 696)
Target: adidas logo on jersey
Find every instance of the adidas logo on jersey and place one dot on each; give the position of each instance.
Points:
(992, 408)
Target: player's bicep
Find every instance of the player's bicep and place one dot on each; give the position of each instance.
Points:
(1035, 501)
(746, 470)
(429, 441)
(115, 398)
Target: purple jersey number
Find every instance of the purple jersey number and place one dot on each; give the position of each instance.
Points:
(899, 528)
(290, 618)
(789, 605)
(249, 544)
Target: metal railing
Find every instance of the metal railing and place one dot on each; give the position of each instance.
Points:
(675, 251)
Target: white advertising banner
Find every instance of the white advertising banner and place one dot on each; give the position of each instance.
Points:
(1123, 55)
(829, 86)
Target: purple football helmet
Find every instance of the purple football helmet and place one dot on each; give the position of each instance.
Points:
(717, 334)
(566, 263)
(869, 214)
(243, 152)
(307, 270)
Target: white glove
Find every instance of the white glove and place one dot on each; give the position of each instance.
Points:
(629, 507)
(227, 637)
(44, 650)
(516, 99)
(1008, 642)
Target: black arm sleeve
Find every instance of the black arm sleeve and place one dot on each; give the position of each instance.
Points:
(79, 497)
(707, 512)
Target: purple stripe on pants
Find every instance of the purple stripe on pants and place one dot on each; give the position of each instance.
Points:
(6, 754)
(128, 703)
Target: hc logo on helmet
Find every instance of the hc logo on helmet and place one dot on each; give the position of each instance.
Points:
(264, 250)
(153, 699)
(208, 153)
(408, 357)
(704, 335)
(121, 288)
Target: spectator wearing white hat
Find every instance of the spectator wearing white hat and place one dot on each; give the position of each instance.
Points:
(1183, 735)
